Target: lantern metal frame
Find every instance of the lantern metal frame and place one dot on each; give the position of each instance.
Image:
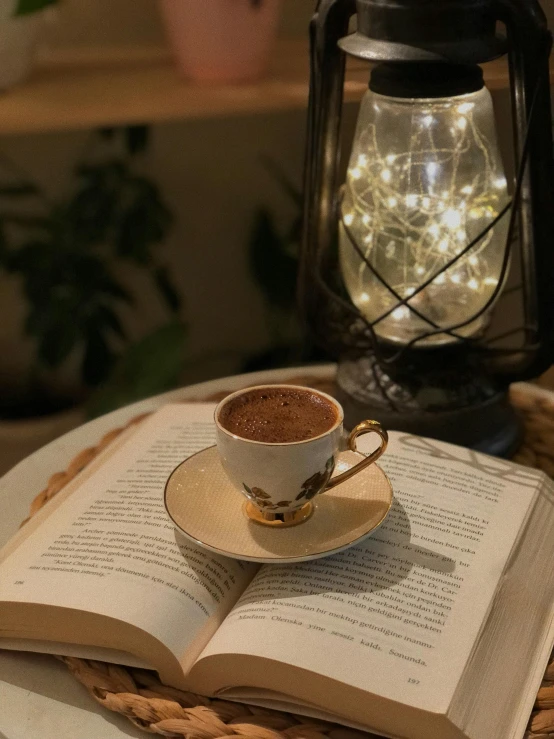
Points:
(472, 375)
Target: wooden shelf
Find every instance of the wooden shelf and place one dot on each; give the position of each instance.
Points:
(87, 88)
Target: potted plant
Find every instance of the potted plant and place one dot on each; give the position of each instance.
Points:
(221, 41)
(67, 256)
(20, 25)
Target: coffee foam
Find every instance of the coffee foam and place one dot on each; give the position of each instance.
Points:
(278, 415)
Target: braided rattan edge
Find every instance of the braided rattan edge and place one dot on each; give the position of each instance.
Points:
(160, 709)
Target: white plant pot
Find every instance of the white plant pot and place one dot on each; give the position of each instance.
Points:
(18, 41)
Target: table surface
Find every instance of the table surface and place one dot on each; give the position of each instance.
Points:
(39, 699)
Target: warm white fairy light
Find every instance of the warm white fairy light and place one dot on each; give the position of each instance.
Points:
(452, 218)
(401, 313)
(432, 169)
(425, 179)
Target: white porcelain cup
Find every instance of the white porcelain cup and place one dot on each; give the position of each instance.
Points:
(280, 479)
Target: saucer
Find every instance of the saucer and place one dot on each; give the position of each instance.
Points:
(207, 509)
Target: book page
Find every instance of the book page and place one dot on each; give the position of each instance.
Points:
(109, 549)
(399, 614)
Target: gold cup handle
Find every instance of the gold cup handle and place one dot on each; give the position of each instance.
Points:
(365, 427)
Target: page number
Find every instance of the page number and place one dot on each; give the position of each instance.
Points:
(19, 582)
(413, 681)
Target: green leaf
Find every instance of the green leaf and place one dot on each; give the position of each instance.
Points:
(89, 214)
(56, 343)
(167, 289)
(273, 268)
(98, 359)
(118, 291)
(29, 258)
(137, 138)
(32, 6)
(145, 222)
(149, 367)
(105, 317)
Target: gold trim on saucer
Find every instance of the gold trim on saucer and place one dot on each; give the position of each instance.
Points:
(207, 510)
(278, 520)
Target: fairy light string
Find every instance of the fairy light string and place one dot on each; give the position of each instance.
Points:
(509, 239)
(410, 214)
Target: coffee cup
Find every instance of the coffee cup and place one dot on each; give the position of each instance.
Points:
(279, 445)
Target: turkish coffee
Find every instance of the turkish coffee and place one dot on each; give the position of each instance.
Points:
(279, 415)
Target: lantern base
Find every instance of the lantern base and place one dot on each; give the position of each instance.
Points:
(462, 408)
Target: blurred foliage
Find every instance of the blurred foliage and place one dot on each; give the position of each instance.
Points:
(274, 258)
(66, 254)
(149, 367)
(24, 7)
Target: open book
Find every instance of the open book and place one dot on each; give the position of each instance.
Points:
(439, 624)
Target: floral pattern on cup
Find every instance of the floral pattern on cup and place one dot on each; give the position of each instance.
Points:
(313, 485)
(310, 488)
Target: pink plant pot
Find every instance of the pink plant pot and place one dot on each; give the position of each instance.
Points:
(221, 41)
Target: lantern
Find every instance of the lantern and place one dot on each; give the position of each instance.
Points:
(403, 265)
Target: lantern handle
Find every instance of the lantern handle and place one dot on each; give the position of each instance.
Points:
(530, 44)
(327, 71)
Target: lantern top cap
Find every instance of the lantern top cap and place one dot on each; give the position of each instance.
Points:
(455, 31)
(426, 79)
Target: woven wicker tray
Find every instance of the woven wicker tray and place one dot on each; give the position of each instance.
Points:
(159, 709)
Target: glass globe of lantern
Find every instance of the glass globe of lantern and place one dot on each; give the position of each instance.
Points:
(425, 179)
